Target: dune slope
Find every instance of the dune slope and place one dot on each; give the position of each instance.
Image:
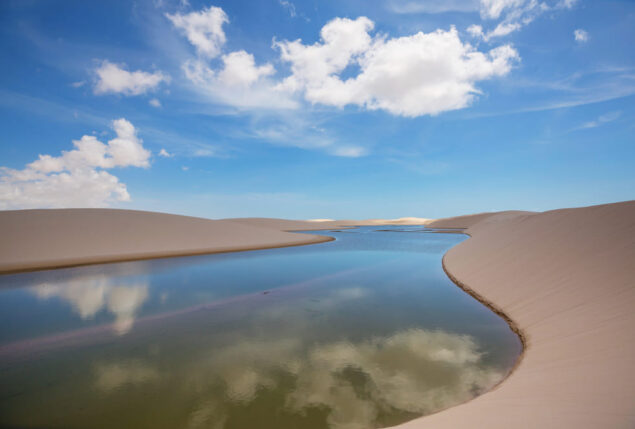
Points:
(37, 239)
(567, 279)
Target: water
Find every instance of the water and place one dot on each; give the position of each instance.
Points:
(365, 331)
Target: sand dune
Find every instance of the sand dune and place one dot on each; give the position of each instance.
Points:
(36, 239)
(315, 224)
(470, 220)
(566, 278)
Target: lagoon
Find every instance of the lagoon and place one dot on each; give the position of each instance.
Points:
(364, 331)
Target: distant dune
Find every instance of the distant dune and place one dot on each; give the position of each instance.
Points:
(38, 239)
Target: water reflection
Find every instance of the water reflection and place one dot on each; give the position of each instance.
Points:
(363, 332)
(111, 376)
(351, 385)
(415, 371)
(89, 295)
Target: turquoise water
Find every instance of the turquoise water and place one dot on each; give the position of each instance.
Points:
(365, 331)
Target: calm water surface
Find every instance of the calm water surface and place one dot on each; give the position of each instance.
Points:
(366, 331)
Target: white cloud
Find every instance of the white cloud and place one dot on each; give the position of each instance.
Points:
(204, 29)
(240, 69)
(76, 178)
(164, 153)
(239, 83)
(475, 30)
(290, 7)
(297, 129)
(492, 9)
(580, 35)
(432, 6)
(602, 119)
(349, 151)
(426, 73)
(154, 102)
(113, 78)
(514, 15)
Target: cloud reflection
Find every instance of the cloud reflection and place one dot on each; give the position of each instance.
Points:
(414, 371)
(112, 376)
(89, 295)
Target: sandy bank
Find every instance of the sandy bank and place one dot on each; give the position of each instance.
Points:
(40, 239)
(566, 278)
(37, 239)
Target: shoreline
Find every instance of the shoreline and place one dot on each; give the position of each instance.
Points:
(515, 328)
(562, 280)
(49, 239)
(150, 257)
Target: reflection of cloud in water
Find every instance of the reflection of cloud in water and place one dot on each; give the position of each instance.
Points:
(123, 302)
(89, 295)
(415, 371)
(111, 376)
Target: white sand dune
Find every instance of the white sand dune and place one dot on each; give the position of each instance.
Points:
(37, 239)
(567, 279)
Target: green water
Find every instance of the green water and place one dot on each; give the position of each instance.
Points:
(366, 331)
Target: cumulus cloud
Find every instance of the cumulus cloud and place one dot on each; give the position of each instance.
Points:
(154, 102)
(239, 69)
(115, 79)
(204, 29)
(76, 178)
(580, 35)
(164, 153)
(90, 295)
(239, 82)
(425, 73)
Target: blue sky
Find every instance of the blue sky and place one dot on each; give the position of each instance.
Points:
(317, 109)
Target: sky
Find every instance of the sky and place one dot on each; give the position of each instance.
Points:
(342, 109)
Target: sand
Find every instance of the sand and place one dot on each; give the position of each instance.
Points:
(564, 278)
(38, 239)
(55, 238)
